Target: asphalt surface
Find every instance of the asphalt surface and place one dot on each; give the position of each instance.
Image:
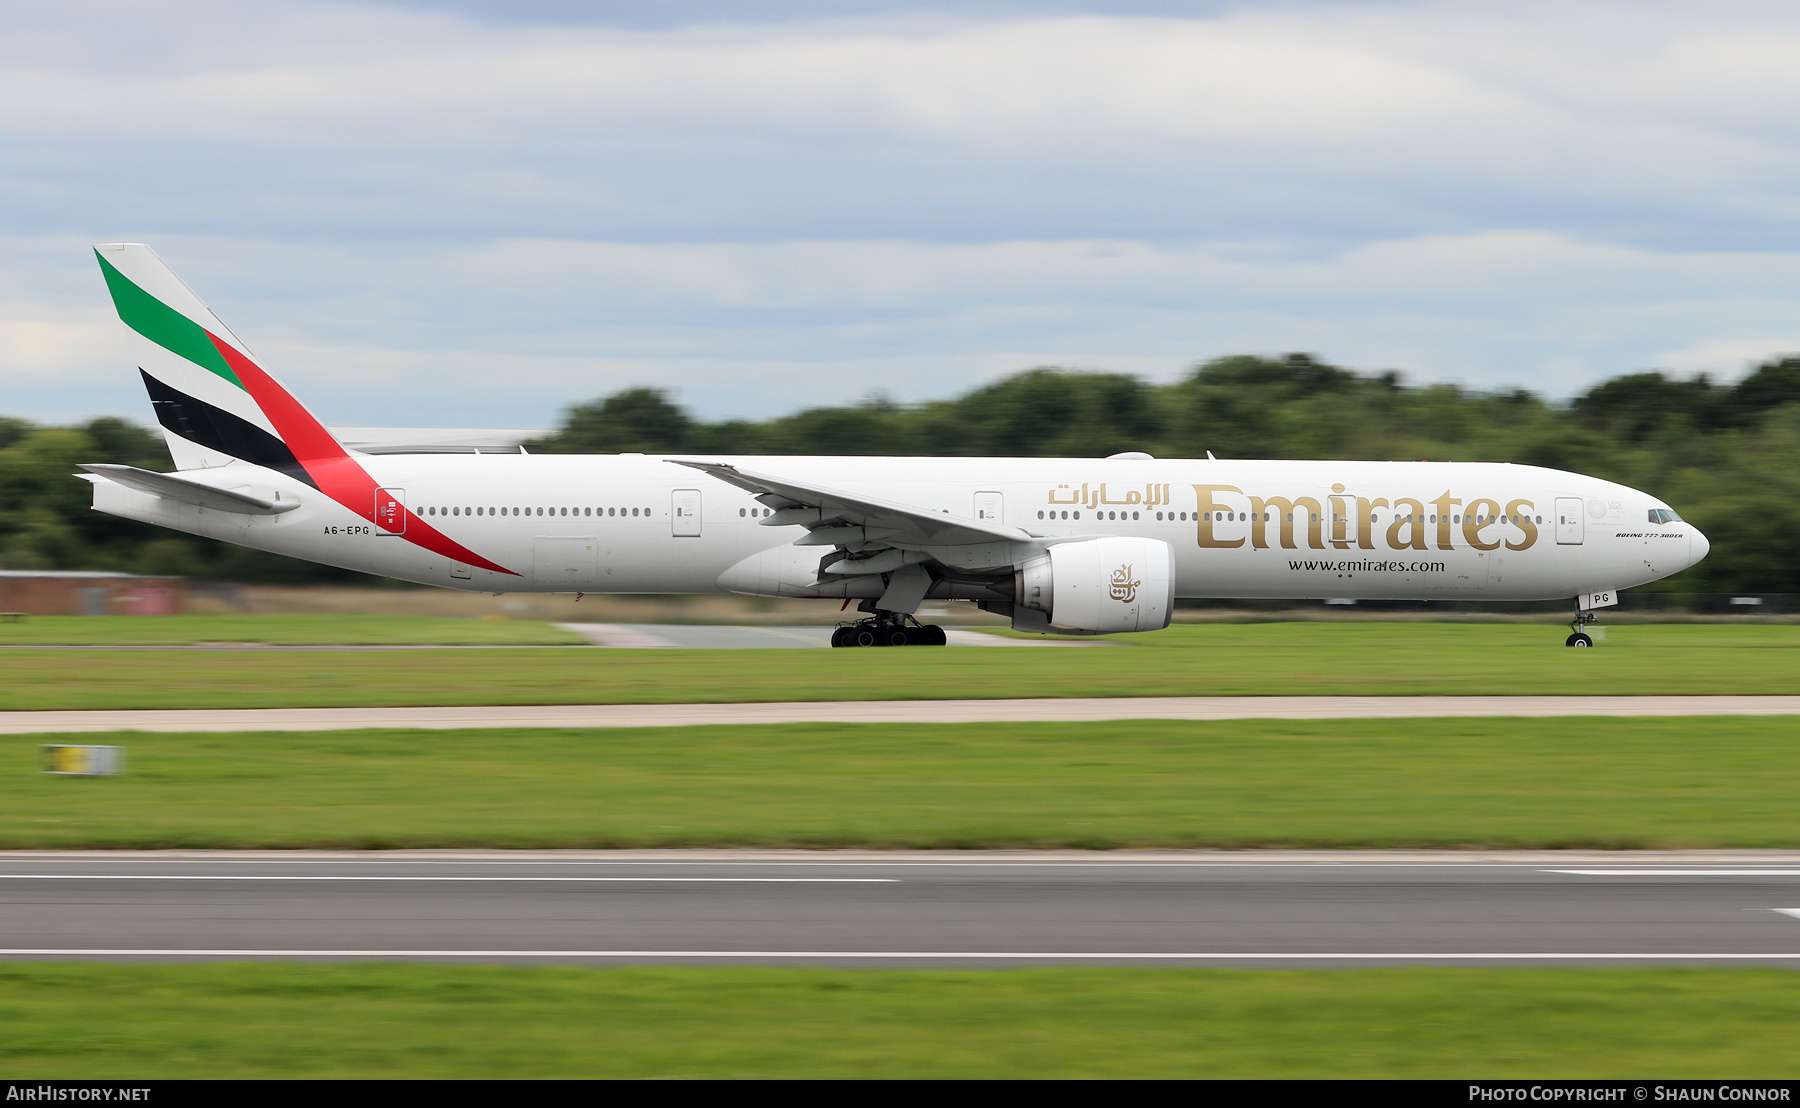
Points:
(1342, 908)
(891, 711)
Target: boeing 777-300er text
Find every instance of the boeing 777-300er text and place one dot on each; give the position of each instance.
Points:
(1060, 545)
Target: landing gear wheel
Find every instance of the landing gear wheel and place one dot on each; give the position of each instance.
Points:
(895, 630)
(1582, 619)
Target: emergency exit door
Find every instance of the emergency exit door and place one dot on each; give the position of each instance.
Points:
(988, 506)
(684, 514)
(1568, 521)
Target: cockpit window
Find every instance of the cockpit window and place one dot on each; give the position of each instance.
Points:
(1663, 515)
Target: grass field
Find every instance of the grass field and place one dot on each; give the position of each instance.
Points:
(303, 630)
(415, 1021)
(1210, 659)
(1446, 783)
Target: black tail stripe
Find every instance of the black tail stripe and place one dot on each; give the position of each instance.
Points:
(217, 429)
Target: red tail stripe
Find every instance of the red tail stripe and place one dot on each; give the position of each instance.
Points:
(335, 472)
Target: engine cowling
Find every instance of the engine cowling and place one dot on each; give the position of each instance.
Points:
(1100, 586)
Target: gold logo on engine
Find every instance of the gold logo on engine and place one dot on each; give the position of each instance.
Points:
(1123, 587)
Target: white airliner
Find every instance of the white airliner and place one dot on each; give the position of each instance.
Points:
(1061, 545)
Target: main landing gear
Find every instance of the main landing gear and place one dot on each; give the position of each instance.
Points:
(1577, 636)
(889, 629)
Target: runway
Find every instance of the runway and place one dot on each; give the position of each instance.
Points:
(893, 711)
(1337, 909)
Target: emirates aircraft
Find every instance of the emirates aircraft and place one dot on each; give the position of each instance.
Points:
(1059, 545)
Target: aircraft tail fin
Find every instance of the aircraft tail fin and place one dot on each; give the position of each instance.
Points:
(214, 401)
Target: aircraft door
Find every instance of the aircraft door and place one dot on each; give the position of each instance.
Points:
(1568, 521)
(684, 513)
(988, 506)
(390, 511)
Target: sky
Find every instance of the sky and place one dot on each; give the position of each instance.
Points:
(464, 213)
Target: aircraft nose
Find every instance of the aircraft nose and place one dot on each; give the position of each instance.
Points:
(1698, 546)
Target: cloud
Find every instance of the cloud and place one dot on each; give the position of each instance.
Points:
(448, 214)
(1730, 354)
(510, 331)
(44, 340)
(1342, 120)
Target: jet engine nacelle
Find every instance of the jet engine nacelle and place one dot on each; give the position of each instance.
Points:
(1099, 586)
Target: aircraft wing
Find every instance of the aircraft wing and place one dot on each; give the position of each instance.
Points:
(190, 492)
(434, 440)
(853, 521)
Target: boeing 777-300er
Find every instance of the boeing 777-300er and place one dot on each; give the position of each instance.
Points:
(1059, 545)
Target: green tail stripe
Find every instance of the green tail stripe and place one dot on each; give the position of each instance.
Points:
(163, 325)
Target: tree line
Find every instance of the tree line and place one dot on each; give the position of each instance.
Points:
(1726, 456)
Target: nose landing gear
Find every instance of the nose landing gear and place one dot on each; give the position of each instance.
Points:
(1578, 637)
(889, 629)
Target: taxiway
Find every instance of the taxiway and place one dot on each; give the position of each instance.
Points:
(1071, 710)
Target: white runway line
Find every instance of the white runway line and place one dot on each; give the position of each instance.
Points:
(441, 878)
(895, 711)
(1679, 872)
(915, 955)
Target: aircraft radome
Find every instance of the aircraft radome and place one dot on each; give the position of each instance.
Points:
(1063, 545)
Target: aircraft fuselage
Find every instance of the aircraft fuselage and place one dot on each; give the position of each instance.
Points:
(1238, 529)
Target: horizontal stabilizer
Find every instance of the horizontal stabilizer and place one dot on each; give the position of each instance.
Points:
(191, 492)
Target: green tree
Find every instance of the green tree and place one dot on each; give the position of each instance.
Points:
(642, 420)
